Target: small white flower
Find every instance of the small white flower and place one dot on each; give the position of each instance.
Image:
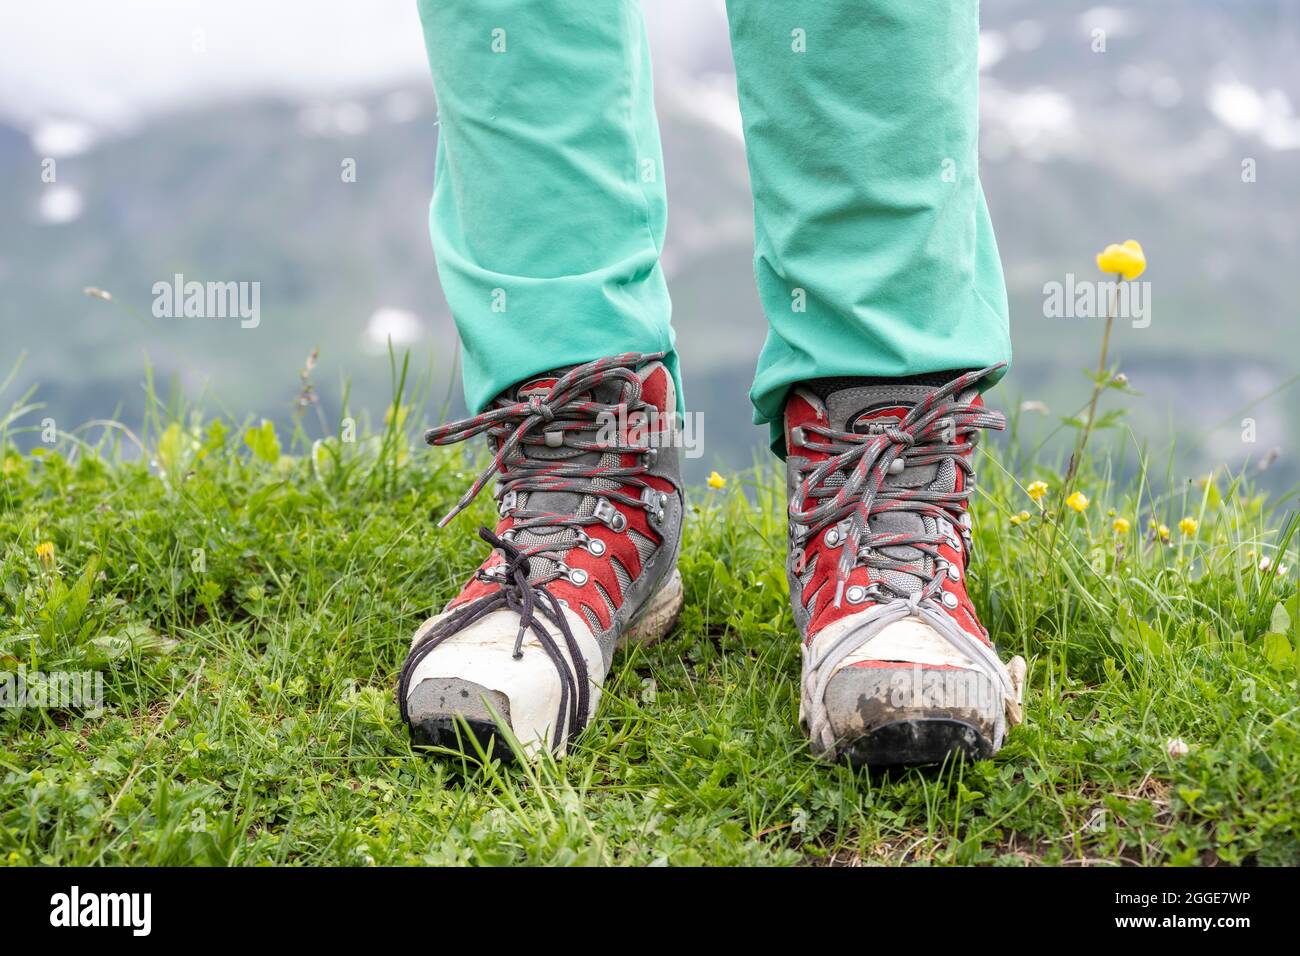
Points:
(1177, 747)
(1265, 563)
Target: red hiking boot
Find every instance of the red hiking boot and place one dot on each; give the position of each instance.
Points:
(584, 558)
(896, 666)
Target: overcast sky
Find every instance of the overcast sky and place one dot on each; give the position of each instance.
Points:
(111, 61)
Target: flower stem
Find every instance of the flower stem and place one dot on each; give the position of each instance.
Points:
(1098, 386)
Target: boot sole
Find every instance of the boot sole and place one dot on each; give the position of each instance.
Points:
(918, 742)
(449, 709)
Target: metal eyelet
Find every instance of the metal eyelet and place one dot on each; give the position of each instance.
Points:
(508, 503)
(609, 516)
(654, 502)
(897, 466)
(832, 537)
(950, 600)
(554, 439)
(856, 594)
(954, 572)
(575, 576)
(594, 546)
(651, 456)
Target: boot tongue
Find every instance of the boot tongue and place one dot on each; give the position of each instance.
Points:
(606, 393)
(559, 502)
(863, 409)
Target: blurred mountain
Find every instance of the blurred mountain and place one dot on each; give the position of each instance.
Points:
(1080, 147)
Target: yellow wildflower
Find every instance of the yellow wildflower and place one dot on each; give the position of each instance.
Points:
(1126, 259)
(1078, 501)
(1188, 526)
(1162, 532)
(45, 551)
(1122, 526)
(400, 411)
(1036, 490)
(715, 480)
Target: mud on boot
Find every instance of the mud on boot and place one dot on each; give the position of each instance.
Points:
(897, 669)
(583, 559)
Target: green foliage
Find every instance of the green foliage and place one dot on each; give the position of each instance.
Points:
(262, 440)
(249, 606)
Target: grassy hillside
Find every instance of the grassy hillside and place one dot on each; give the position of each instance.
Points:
(249, 598)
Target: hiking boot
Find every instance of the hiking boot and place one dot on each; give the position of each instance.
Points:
(584, 558)
(897, 669)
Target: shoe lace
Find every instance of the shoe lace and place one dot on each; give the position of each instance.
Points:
(518, 594)
(849, 487)
(560, 418)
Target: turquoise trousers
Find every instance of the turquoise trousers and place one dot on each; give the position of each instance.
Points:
(873, 250)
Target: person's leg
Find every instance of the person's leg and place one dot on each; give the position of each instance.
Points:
(549, 206)
(873, 250)
(547, 221)
(881, 282)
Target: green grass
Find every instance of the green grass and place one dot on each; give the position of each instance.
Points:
(250, 608)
